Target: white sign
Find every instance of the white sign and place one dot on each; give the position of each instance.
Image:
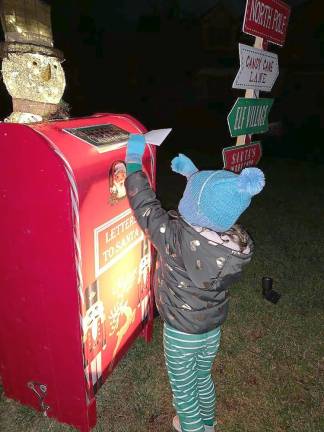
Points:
(157, 136)
(259, 69)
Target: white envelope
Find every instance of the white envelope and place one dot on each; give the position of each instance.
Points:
(156, 137)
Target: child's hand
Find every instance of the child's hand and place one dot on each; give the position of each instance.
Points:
(135, 148)
(183, 165)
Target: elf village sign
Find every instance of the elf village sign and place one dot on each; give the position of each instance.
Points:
(249, 116)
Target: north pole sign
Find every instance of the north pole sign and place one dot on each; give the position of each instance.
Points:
(259, 69)
(238, 157)
(249, 116)
(267, 19)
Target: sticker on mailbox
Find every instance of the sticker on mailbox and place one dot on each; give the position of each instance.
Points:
(114, 239)
(103, 137)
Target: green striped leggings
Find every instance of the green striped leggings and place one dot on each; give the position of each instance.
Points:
(189, 359)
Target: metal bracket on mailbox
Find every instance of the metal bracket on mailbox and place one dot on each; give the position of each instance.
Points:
(40, 391)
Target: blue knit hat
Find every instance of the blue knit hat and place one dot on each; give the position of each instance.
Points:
(216, 199)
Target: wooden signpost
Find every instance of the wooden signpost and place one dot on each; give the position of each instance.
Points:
(267, 20)
(259, 69)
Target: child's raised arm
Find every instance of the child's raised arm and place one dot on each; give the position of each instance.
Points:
(150, 215)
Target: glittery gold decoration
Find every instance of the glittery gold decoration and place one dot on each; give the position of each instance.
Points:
(27, 21)
(19, 48)
(31, 67)
(34, 77)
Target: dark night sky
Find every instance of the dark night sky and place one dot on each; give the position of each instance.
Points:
(111, 66)
(124, 14)
(127, 12)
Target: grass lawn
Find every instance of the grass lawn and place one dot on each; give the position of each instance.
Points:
(269, 371)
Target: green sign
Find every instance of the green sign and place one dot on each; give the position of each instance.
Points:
(249, 116)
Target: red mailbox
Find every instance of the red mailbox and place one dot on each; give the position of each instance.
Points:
(75, 267)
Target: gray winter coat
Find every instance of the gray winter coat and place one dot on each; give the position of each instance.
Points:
(193, 274)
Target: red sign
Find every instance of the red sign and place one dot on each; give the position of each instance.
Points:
(238, 157)
(267, 19)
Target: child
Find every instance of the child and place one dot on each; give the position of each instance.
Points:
(200, 255)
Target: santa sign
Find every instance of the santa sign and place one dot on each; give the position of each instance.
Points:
(258, 69)
(267, 19)
(238, 157)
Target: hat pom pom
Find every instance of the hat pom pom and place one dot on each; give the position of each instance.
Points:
(183, 165)
(251, 181)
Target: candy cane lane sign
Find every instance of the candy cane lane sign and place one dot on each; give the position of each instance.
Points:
(267, 19)
(238, 157)
(259, 69)
(249, 116)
